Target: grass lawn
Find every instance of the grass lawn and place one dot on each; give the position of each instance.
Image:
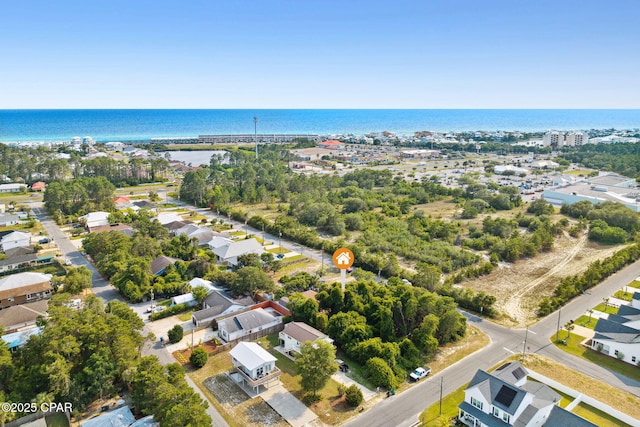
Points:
(597, 416)
(634, 284)
(627, 296)
(606, 309)
(431, 416)
(186, 316)
(584, 321)
(278, 250)
(329, 410)
(57, 420)
(573, 346)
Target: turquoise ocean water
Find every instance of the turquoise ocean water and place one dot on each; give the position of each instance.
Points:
(123, 125)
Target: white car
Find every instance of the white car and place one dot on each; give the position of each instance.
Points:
(419, 373)
(150, 308)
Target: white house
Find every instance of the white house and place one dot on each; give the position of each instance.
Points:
(8, 219)
(296, 333)
(243, 324)
(184, 298)
(96, 219)
(255, 365)
(229, 253)
(166, 218)
(619, 335)
(506, 398)
(13, 188)
(14, 239)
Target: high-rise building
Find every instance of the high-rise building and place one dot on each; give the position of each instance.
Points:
(576, 139)
(553, 139)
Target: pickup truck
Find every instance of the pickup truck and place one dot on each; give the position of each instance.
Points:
(419, 374)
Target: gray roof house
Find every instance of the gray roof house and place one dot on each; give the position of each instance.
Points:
(159, 264)
(619, 336)
(216, 305)
(230, 252)
(240, 325)
(506, 398)
(22, 316)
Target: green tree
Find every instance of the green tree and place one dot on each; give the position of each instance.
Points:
(353, 395)
(175, 334)
(77, 280)
(316, 363)
(199, 357)
(199, 293)
(380, 374)
(251, 279)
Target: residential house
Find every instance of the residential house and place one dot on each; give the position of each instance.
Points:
(166, 218)
(202, 235)
(160, 264)
(8, 219)
(216, 304)
(255, 366)
(24, 287)
(197, 281)
(505, 398)
(18, 261)
(240, 325)
(122, 228)
(114, 146)
(12, 188)
(619, 335)
(13, 239)
(229, 253)
(296, 333)
(331, 144)
(635, 300)
(95, 219)
(184, 299)
(121, 201)
(22, 316)
(173, 226)
(38, 186)
(17, 339)
(120, 417)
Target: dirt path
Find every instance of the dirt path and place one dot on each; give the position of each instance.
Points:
(513, 305)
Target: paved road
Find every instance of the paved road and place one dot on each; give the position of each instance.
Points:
(104, 290)
(405, 408)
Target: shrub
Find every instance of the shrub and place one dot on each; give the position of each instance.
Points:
(199, 357)
(175, 334)
(354, 395)
(380, 374)
(170, 311)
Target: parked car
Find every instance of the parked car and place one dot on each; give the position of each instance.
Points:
(342, 366)
(67, 262)
(45, 240)
(150, 308)
(419, 373)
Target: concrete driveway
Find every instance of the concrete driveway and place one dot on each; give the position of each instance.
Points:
(291, 409)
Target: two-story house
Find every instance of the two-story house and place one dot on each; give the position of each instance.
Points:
(619, 335)
(24, 287)
(296, 333)
(255, 366)
(505, 398)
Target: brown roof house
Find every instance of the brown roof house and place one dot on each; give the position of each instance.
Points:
(296, 333)
(22, 316)
(24, 287)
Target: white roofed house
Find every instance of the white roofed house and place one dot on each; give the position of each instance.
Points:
(229, 253)
(7, 219)
(296, 333)
(254, 365)
(14, 239)
(95, 219)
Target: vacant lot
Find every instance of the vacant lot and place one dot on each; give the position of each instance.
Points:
(518, 287)
(245, 411)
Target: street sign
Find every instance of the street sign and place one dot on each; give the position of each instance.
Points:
(343, 258)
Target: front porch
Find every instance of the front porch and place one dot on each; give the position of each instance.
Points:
(263, 380)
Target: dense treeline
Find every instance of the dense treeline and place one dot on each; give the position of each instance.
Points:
(609, 222)
(623, 158)
(120, 173)
(78, 197)
(572, 286)
(397, 322)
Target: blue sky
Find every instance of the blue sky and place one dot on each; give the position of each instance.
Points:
(319, 54)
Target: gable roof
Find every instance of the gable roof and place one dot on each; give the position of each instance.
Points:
(251, 355)
(159, 264)
(19, 251)
(23, 313)
(302, 332)
(499, 393)
(176, 225)
(511, 372)
(96, 216)
(611, 330)
(15, 235)
(166, 218)
(241, 247)
(19, 259)
(564, 418)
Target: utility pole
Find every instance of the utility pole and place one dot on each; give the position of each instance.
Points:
(255, 134)
(524, 344)
(558, 328)
(441, 381)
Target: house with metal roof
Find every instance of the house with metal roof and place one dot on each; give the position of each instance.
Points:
(242, 324)
(505, 398)
(13, 239)
(296, 333)
(255, 366)
(8, 219)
